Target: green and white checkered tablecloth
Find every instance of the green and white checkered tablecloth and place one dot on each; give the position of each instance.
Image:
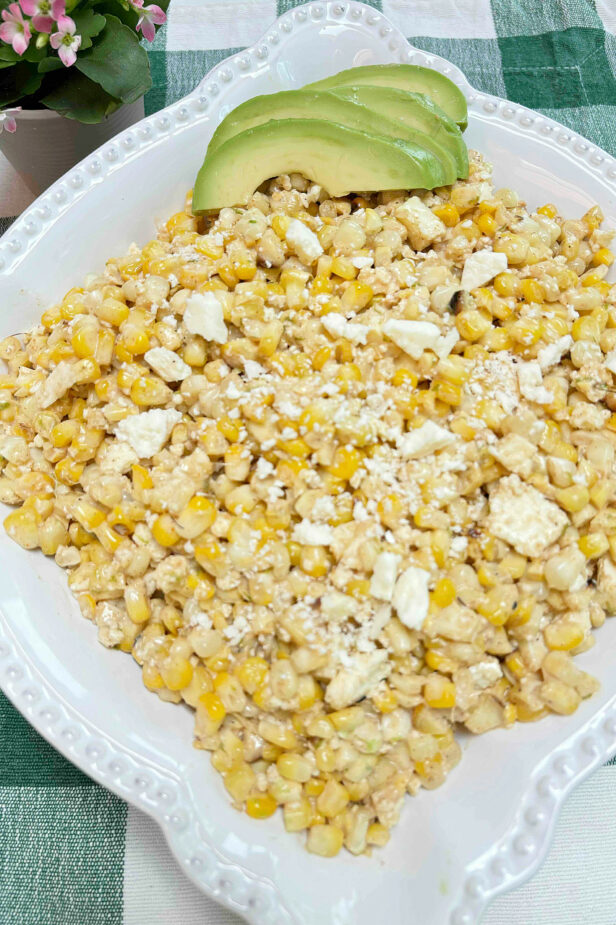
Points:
(73, 854)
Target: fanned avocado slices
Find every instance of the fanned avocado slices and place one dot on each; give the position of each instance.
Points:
(410, 77)
(341, 159)
(415, 111)
(314, 104)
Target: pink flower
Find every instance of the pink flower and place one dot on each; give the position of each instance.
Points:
(43, 12)
(65, 41)
(15, 30)
(149, 17)
(7, 120)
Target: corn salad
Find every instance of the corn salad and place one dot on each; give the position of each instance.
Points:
(339, 474)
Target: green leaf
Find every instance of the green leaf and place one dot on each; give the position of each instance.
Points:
(117, 62)
(50, 64)
(88, 23)
(78, 97)
(18, 81)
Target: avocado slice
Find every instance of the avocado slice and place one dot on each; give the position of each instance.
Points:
(341, 159)
(315, 104)
(415, 111)
(405, 77)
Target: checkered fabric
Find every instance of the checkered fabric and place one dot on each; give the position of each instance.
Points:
(73, 854)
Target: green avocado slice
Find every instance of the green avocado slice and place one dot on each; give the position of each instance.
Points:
(341, 159)
(405, 77)
(314, 104)
(415, 111)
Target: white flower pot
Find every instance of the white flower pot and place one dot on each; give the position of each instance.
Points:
(46, 144)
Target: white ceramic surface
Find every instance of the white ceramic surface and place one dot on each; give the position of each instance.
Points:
(46, 144)
(489, 826)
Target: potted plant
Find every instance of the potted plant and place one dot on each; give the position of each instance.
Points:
(72, 74)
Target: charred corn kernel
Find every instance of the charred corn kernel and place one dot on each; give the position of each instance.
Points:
(137, 604)
(444, 592)
(487, 224)
(593, 545)
(261, 807)
(297, 814)
(295, 767)
(574, 498)
(325, 840)
(149, 390)
(346, 462)
(68, 471)
(448, 214)
(472, 324)
(342, 266)
(320, 358)
(356, 296)
(198, 515)
(563, 636)
(439, 693)
(532, 290)
(164, 532)
(603, 257)
(549, 210)
(386, 700)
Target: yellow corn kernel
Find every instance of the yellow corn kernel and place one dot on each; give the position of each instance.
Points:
(472, 324)
(444, 592)
(198, 515)
(603, 257)
(448, 214)
(297, 814)
(342, 266)
(181, 222)
(359, 588)
(252, 673)
(593, 545)
(346, 462)
(277, 734)
(22, 527)
(356, 296)
(325, 840)
(320, 358)
(348, 373)
(439, 693)
(385, 700)
(563, 636)
(108, 537)
(404, 376)
(549, 210)
(176, 672)
(280, 224)
(377, 834)
(68, 471)
(333, 799)
(63, 433)
(487, 224)
(142, 480)
(526, 331)
(447, 392)
(294, 767)
(348, 719)
(164, 532)
(213, 706)
(532, 290)
(137, 604)
(586, 328)
(229, 428)
(438, 661)
(88, 515)
(574, 498)
(321, 285)
(149, 390)
(112, 311)
(239, 781)
(261, 807)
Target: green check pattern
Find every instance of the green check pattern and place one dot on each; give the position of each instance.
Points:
(63, 839)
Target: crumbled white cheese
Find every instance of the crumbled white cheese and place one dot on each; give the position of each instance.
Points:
(148, 432)
(523, 517)
(425, 440)
(422, 224)
(362, 673)
(610, 361)
(531, 383)
(384, 576)
(410, 597)
(551, 354)
(264, 468)
(337, 606)
(481, 267)
(362, 262)
(57, 383)
(412, 336)
(303, 241)
(338, 326)
(116, 458)
(310, 534)
(167, 364)
(203, 315)
(446, 343)
(253, 369)
(515, 453)
(486, 673)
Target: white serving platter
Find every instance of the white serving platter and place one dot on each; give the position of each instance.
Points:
(488, 828)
